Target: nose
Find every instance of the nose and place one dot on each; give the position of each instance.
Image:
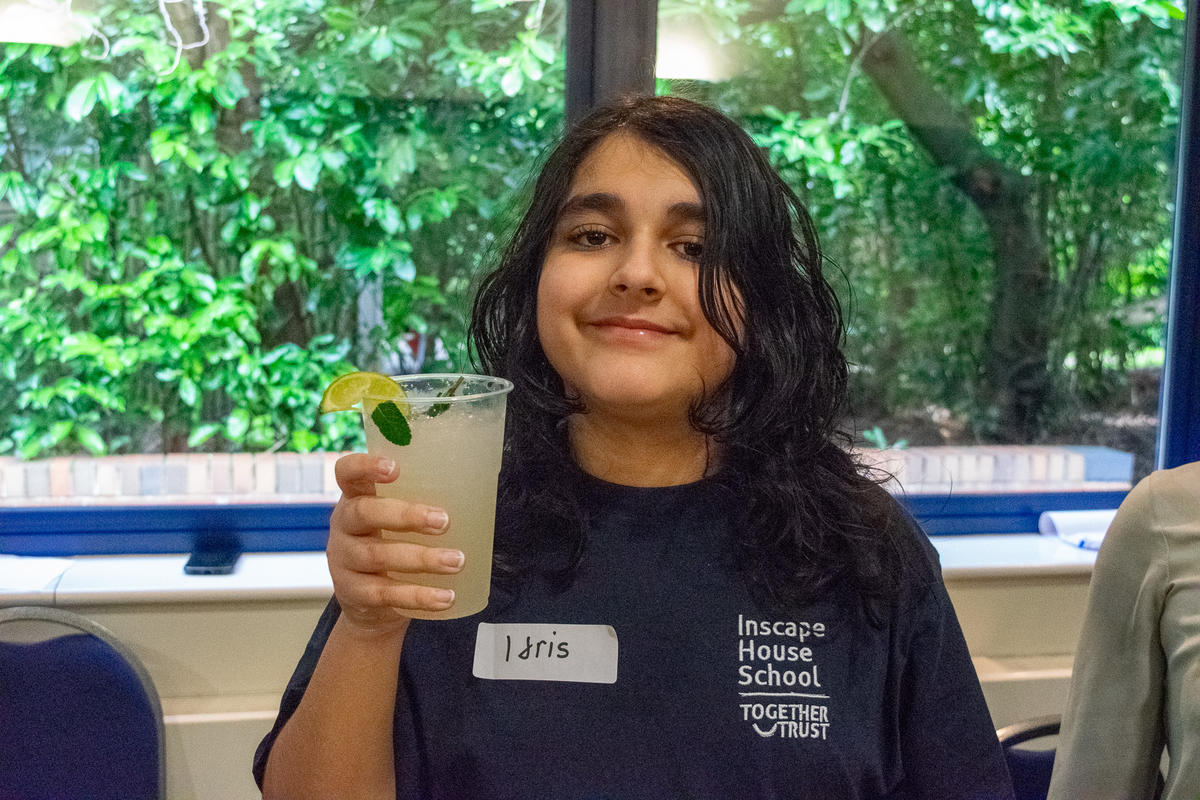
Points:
(638, 272)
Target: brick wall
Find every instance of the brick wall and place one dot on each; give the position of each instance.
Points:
(293, 477)
(1003, 468)
(168, 479)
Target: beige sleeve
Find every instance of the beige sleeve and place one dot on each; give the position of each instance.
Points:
(1112, 734)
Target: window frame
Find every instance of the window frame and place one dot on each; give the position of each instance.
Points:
(610, 49)
(1179, 397)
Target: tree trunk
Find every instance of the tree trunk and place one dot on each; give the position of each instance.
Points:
(1016, 370)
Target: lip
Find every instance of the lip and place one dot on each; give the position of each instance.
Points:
(632, 324)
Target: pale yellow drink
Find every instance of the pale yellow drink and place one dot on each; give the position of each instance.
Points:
(453, 462)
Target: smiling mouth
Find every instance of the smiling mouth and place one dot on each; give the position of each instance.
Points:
(633, 325)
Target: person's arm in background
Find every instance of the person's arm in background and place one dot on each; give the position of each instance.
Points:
(338, 742)
(1112, 732)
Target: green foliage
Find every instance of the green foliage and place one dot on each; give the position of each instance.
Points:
(190, 251)
(1080, 97)
(877, 439)
(186, 246)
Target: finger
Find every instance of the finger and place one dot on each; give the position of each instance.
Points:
(381, 592)
(357, 473)
(373, 555)
(365, 515)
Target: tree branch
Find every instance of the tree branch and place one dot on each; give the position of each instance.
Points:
(860, 48)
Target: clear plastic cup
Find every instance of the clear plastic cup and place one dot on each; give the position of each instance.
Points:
(452, 461)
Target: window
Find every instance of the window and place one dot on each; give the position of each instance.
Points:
(208, 213)
(239, 201)
(994, 185)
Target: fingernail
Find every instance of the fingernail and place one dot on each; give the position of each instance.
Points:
(437, 520)
(384, 467)
(443, 596)
(453, 558)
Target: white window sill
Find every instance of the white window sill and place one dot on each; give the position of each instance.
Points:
(93, 580)
(1010, 555)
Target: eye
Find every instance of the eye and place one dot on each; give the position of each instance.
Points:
(591, 237)
(690, 250)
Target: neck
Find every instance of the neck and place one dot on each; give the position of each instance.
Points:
(638, 455)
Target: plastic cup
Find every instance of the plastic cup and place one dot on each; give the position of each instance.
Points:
(452, 462)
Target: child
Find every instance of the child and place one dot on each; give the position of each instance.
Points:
(704, 596)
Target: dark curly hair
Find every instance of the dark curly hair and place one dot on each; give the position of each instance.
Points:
(810, 516)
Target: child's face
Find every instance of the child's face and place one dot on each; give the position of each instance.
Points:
(618, 310)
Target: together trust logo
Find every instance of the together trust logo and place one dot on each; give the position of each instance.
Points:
(779, 679)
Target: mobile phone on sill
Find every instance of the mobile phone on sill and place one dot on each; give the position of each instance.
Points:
(213, 558)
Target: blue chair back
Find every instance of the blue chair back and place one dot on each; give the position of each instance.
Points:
(79, 715)
(1030, 768)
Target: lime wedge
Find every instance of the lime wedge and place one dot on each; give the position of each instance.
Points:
(349, 391)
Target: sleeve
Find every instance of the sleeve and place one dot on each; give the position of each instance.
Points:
(1112, 732)
(296, 687)
(948, 741)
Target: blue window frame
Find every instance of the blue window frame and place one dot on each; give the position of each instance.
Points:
(100, 530)
(1179, 409)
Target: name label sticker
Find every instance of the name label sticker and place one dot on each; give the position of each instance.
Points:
(536, 652)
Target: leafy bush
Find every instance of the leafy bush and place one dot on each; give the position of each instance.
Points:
(1075, 105)
(202, 238)
(195, 240)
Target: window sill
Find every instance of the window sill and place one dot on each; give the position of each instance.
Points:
(969, 556)
(117, 580)
(114, 580)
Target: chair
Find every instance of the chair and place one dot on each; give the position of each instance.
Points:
(79, 715)
(1030, 768)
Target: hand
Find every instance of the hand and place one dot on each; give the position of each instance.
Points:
(360, 558)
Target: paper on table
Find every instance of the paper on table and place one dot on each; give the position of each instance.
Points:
(1079, 528)
(30, 573)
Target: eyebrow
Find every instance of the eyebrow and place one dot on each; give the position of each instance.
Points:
(608, 203)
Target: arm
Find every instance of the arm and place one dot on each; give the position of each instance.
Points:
(338, 743)
(1112, 739)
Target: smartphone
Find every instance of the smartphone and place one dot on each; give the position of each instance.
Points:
(213, 559)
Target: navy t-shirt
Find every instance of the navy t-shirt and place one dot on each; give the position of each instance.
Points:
(714, 696)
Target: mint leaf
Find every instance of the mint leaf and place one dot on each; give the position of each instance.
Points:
(392, 424)
(441, 408)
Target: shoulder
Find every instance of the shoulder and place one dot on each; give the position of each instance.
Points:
(1164, 500)
(1160, 519)
(1173, 493)
(1177, 486)
(913, 546)
(1135, 546)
